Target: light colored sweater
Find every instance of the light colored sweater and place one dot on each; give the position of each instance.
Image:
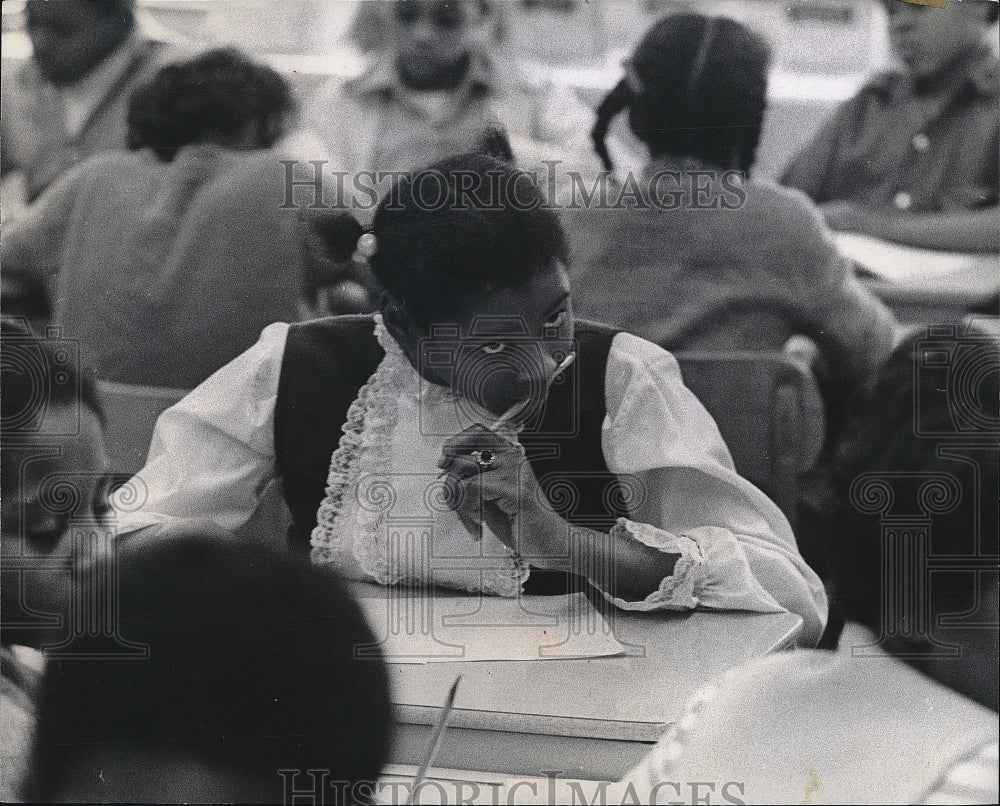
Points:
(164, 272)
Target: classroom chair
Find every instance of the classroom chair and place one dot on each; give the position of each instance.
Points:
(130, 414)
(770, 413)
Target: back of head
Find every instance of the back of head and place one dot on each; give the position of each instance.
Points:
(251, 671)
(918, 473)
(464, 226)
(219, 97)
(695, 86)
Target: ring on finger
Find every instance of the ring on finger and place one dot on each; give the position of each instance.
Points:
(484, 458)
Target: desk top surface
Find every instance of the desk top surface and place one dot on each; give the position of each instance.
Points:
(631, 697)
(897, 271)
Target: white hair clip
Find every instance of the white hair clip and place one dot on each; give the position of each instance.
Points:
(366, 248)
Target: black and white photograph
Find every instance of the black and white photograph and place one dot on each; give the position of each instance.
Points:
(589, 402)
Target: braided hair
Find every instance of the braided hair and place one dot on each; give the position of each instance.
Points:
(695, 86)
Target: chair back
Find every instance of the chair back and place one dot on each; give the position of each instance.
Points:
(130, 414)
(769, 411)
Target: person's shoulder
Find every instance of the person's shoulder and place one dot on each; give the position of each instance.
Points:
(768, 201)
(377, 76)
(345, 326)
(985, 76)
(20, 75)
(883, 84)
(106, 175)
(785, 224)
(826, 716)
(858, 678)
(633, 358)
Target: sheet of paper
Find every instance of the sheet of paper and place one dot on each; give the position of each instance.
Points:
(906, 265)
(412, 627)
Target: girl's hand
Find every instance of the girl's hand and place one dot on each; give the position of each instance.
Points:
(490, 481)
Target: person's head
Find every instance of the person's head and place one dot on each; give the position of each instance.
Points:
(695, 86)
(432, 39)
(71, 37)
(930, 40)
(904, 457)
(472, 265)
(252, 669)
(53, 467)
(219, 97)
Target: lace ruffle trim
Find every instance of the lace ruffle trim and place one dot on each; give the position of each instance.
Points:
(343, 525)
(679, 591)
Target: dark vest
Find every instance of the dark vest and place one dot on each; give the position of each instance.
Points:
(327, 361)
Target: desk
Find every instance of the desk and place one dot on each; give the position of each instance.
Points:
(922, 285)
(590, 719)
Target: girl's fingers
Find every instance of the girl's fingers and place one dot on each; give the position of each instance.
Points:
(475, 438)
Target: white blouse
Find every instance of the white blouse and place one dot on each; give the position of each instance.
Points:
(212, 455)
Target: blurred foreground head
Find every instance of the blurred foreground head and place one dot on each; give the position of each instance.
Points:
(917, 482)
(251, 670)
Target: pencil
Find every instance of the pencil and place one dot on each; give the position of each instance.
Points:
(437, 736)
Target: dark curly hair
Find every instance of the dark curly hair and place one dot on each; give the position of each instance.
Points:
(215, 98)
(251, 668)
(460, 226)
(697, 86)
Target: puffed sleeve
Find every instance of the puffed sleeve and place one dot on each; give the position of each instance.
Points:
(737, 551)
(212, 454)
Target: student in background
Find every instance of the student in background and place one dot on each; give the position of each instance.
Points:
(54, 469)
(430, 89)
(912, 157)
(251, 691)
(68, 102)
(905, 711)
(165, 263)
(705, 256)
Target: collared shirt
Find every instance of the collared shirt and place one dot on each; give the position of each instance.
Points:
(375, 123)
(891, 146)
(80, 99)
(47, 129)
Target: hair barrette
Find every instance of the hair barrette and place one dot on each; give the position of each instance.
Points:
(366, 248)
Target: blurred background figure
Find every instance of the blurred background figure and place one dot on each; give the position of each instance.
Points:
(69, 100)
(52, 452)
(251, 681)
(436, 79)
(920, 649)
(709, 258)
(167, 262)
(913, 156)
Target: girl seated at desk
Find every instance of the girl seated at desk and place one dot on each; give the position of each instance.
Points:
(451, 439)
